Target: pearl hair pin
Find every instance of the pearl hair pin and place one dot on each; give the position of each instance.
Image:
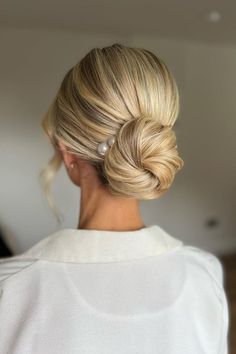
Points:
(103, 146)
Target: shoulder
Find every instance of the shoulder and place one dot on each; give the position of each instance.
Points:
(11, 266)
(202, 262)
(207, 270)
(206, 260)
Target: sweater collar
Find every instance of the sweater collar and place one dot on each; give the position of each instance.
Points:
(95, 246)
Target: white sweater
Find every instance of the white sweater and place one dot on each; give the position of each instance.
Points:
(111, 292)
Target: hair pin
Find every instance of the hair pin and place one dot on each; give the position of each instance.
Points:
(104, 146)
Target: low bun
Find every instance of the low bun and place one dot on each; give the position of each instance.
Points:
(143, 161)
(125, 92)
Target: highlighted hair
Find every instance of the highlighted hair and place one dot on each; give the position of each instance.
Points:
(121, 91)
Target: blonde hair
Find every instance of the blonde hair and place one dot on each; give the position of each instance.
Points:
(121, 91)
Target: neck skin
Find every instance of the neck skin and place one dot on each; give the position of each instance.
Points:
(99, 209)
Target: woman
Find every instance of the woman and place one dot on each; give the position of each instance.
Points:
(114, 285)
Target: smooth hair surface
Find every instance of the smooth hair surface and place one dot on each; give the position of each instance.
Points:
(124, 92)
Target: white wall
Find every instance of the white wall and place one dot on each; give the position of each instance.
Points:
(33, 63)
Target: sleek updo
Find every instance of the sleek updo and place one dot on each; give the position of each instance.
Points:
(124, 92)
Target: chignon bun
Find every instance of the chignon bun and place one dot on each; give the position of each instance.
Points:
(143, 161)
(124, 92)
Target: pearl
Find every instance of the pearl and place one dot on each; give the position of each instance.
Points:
(102, 148)
(111, 140)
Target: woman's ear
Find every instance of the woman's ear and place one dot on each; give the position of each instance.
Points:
(68, 158)
(71, 164)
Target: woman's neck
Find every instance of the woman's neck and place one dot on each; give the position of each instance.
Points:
(99, 210)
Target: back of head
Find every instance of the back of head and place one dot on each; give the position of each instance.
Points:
(124, 92)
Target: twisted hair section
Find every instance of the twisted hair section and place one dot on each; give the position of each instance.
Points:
(143, 161)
